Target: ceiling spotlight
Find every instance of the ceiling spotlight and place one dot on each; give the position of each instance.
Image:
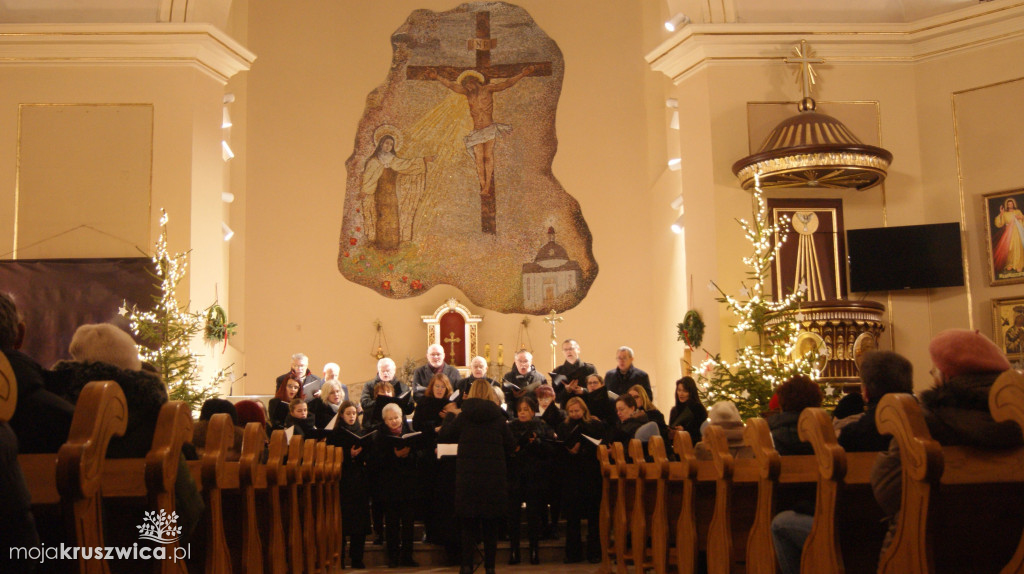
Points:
(677, 225)
(674, 122)
(225, 121)
(225, 151)
(677, 202)
(227, 197)
(672, 103)
(227, 231)
(675, 164)
(229, 98)
(676, 22)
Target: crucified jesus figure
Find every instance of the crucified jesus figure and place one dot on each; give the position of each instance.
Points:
(480, 141)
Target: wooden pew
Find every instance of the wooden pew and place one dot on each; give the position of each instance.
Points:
(241, 482)
(307, 488)
(275, 474)
(945, 490)
(782, 481)
(320, 506)
(1006, 403)
(606, 514)
(151, 480)
(71, 480)
(695, 481)
(650, 518)
(334, 534)
(293, 540)
(625, 497)
(210, 472)
(8, 390)
(736, 494)
(845, 512)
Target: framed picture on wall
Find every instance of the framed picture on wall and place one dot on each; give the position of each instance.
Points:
(1004, 236)
(1008, 324)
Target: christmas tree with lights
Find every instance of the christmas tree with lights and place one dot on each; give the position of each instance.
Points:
(767, 328)
(167, 331)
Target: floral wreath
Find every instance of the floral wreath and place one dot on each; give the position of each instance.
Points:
(691, 330)
(217, 326)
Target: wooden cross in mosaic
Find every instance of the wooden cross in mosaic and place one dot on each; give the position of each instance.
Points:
(475, 82)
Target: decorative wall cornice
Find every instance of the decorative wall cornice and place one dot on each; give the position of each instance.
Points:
(201, 45)
(697, 45)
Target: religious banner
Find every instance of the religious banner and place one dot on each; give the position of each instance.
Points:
(450, 180)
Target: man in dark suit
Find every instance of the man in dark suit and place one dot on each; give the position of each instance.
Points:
(300, 372)
(435, 364)
(625, 375)
(331, 371)
(570, 378)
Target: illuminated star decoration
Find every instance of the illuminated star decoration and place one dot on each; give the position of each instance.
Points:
(830, 390)
(122, 310)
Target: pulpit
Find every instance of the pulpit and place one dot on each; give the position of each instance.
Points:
(838, 331)
(454, 327)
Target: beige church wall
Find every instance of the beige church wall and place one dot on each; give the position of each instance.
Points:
(181, 144)
(915, 104)
(305, 95)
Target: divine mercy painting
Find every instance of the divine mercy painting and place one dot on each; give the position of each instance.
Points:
(450, 179)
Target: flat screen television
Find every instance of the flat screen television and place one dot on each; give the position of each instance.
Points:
(907, 257)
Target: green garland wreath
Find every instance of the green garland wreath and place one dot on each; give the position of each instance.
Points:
(691, 330)
(217, 326)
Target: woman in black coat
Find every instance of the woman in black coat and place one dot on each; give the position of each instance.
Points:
(581, 480)
(485, 443)
(436, 475)
(689, 413)
(355, 485)
(395, 463)
(528, 478)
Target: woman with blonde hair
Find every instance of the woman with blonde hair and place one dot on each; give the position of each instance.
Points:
(643, 402)
(580, 480)
(325, 407)
(485, 443)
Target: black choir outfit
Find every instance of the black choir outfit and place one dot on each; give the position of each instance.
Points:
(399, 491)
(568, 372)
(579, 487)
(355, 491)
(528, 383)
(528, 477)
(619, 382)
(421, 377)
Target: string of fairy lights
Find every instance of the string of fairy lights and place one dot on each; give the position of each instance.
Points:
(750, 380)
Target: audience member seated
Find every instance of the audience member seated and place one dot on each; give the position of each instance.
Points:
(211, 407)
(724, 414)
(325, 407)
(523, 379)
(17, 524)
(300, 373)
(102, 352)
(848, 407)
(956, 409)
(630, 419)
(41, 419)
(250, 411)
(625, 375)
(881, 373)
(689, 413)
(435, 364)
(643, 402)
(795, 395)
(289, 390)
